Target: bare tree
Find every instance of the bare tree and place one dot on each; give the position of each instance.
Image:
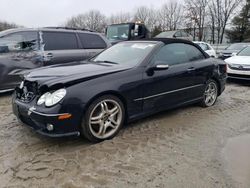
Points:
(119, 18)
(6, 25)
(212, 22)
(96, 21)
(222, 10)
(170, 15)
(196, 10)
(76, 21)
(147, 16)
(92, 20)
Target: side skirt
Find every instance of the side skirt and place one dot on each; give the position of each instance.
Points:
(145, 114)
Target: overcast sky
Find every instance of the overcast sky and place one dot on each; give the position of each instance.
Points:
(39, 13)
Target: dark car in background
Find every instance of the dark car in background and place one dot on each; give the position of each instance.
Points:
(24, 49)
(232, 49)
(125, 82)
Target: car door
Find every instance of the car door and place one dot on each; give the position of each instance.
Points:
(172, 86)
(61, 47)
(18, 54)
(92, 44)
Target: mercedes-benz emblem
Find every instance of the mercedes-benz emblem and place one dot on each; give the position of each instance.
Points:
(240, 67)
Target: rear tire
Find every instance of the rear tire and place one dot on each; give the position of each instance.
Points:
(210, 94)
(103, 119)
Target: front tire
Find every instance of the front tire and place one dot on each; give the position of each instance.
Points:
(103, 118)
(210, 94)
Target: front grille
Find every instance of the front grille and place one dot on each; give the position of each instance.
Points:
(239, 67)
(28, 92)
(239, 76)
(227, 54)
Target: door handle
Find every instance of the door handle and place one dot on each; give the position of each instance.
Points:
(191, 69)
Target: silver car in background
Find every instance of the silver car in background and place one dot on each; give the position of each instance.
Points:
(24, 49)
(179, 34)
(232, 50)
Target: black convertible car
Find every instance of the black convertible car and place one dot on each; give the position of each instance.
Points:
(125, 82)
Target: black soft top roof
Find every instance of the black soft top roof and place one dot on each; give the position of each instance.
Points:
(173, 40)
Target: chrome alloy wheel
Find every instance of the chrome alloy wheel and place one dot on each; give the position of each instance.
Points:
(105, 118)
(211, 93)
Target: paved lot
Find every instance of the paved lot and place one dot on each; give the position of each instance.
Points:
(186, 147)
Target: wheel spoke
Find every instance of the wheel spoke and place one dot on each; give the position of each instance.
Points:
(101, 128)
(210, 87)
(113, 121)
(109, 124)
(206, 93)
(96, 119)
(213, 91)
(104, 107)
(105, 126)
(207, 99)
(114, 111)
(213, 97)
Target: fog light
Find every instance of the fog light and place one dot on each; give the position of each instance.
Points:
(50, 127)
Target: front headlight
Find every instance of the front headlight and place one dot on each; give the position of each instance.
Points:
(51, 99)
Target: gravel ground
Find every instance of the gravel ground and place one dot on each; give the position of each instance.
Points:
(186, 147)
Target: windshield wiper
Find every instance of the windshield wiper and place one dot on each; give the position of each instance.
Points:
(110, 62)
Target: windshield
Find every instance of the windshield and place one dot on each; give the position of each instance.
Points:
(125, 53)
(118, 32)
(245, 52)
(237, 46)
(166, 34)
(203, 46)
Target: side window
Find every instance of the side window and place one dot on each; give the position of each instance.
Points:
(194, 53)
(204, 46)
(177, 53)
(59, 41)
(209, 47)
(184, 34)
(92, 41)
(177, 34)
(18, 42)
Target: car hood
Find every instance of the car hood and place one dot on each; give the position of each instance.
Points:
(229, 51)
(115, 41)
(240, 60)
(72, 73)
